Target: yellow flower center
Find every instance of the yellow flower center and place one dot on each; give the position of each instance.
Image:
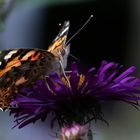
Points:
(81, 80)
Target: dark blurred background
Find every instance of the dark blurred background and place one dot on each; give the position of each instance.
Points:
(112, 34)
(105, 36)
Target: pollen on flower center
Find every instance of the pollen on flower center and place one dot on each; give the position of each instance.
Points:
(81, 80)
(65, 81)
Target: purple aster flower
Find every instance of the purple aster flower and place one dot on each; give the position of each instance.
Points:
(77, 98)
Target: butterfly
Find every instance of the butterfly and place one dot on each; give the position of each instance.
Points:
(25, 66)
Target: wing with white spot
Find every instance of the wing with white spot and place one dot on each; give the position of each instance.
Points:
(59, 47)
(16, 57)
(59, 43)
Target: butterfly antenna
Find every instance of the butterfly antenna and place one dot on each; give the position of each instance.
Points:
(77, 59)
(91, 16)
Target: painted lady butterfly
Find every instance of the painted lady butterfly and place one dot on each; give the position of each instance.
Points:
(25, 66)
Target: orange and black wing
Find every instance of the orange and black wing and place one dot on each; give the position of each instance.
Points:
(17, 57)
(59, 46)
(14, 66)
(59, 43)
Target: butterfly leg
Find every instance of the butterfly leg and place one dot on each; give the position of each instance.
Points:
(63, 71)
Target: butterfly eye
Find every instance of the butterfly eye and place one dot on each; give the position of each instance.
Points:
(63, 52)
